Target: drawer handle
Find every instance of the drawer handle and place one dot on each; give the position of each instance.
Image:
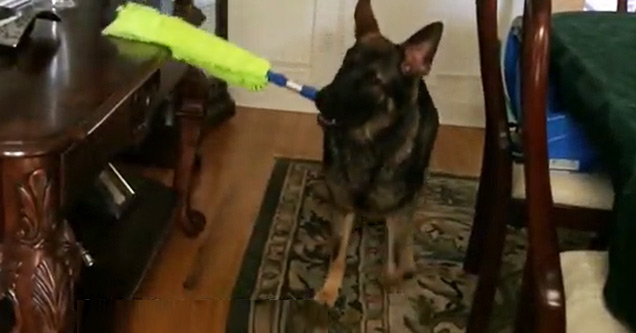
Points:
(87, 258)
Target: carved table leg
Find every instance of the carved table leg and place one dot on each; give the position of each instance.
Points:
(40, 259)
(192, 97)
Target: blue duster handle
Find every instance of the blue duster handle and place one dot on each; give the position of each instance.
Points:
(282, 81)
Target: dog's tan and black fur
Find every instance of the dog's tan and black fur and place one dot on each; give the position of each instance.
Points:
(379, 128)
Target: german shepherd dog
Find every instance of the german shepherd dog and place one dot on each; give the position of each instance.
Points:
(379, 126)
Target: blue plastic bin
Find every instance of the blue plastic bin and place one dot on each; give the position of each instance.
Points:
(568, 146)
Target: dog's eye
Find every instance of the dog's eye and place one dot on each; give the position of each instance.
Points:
(375, 79)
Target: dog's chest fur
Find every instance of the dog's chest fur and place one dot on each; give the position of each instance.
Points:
(378, 167)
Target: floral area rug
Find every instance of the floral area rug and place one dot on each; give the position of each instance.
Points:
(288, 254)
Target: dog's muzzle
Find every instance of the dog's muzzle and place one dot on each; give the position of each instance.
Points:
(324, 122)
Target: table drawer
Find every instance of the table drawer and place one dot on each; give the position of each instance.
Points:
(82, 162)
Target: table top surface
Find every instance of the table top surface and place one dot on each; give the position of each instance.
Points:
(60, 83)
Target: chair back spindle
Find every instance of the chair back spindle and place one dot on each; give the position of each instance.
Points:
(622, 6)
(542, 237)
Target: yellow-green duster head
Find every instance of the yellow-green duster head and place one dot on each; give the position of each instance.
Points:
(189, 44)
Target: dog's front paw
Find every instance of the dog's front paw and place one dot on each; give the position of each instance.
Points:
(308, 316)
(327, 296)
(407, 269)
(391, 281)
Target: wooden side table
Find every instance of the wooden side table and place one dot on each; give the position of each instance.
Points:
(71, 100)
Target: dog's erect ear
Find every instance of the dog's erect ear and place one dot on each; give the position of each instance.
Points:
(365, 20)
(420, 49)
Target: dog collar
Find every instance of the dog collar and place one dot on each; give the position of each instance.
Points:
(324, 122)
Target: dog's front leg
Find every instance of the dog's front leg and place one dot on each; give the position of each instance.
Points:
(406, 254)
(399, 260)
(328, 294)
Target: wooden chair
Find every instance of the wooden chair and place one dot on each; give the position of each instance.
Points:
(503, 193)
(562, 292)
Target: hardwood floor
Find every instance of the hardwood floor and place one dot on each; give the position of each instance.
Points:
(237, 161)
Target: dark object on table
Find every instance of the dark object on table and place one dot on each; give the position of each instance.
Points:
(14, 30)
(6, 13)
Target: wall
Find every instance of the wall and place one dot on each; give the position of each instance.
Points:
(455, 82)
(607, 5)
(455, 79)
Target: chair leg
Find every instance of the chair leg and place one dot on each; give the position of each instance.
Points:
(479, 230)
(524, 322)
(488, 275)
(492, 247)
